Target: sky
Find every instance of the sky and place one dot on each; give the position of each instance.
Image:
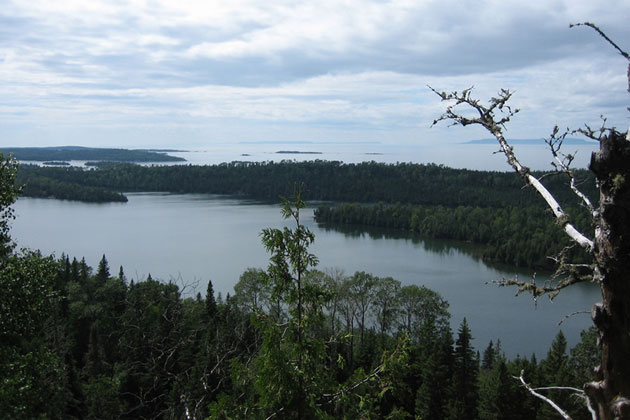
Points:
(186, 73)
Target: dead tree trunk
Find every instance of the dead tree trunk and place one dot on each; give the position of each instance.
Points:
(611, 388)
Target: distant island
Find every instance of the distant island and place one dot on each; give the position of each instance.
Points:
(164, 150)
(57, 163)
(296, 152)
(66, 153)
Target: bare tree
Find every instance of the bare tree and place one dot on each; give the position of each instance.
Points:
(608, 395)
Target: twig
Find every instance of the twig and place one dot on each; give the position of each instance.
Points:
(564, 164)
(603, 35)
(572, 314)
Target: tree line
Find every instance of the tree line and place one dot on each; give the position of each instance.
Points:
(48, 187)
(483, 207)
(366, 182)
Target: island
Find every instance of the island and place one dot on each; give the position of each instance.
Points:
(56, 163)
(296, 152)
(67, 153)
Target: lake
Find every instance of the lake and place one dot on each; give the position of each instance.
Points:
(193, 238)
(480, 156)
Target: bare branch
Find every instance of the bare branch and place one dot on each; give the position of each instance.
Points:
(572, 314)
(623, 53)
(603, 35)
(494, 125)
(559, 388)
(543, 398)
(550, 289)
(563, 165)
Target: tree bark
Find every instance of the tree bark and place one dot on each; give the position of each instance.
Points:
(611, 389)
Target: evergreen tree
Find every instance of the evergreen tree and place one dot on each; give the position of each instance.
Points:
(85, 271)
(434, 396)
(211, 303)
(75, 270)
(465, 373)
(102, 274)
(554, 371)
(121, 275)
(584, 357)
(489, 357)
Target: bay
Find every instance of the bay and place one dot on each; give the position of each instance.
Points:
(190, 239)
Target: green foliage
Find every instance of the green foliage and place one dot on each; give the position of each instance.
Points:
(584, 357)
(434, 395)
(47, 187)
(31, 373)
(420, 306)
(465, 374)
(367, 182)
(75, 346)
(102, 274)
(293, 342)
(8, 195)
(289, 376)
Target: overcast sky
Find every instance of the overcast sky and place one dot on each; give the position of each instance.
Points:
(183, 73)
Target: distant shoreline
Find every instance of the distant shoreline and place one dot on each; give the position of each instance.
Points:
(296, 152)
(73, 153)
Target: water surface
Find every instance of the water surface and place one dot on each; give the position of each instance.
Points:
(194, 238)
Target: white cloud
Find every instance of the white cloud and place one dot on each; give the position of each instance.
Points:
(325, 65)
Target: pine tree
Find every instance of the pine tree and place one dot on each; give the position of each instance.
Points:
(489, 357)
(435, 392)
(466, 369)
(554, 371)
(211, 303)
(121, 275)
(102, 274)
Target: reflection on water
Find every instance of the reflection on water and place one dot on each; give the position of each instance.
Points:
(442, 247)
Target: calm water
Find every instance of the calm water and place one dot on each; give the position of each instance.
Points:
(195, 238)
(454, 155)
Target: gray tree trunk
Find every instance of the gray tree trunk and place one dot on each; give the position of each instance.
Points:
(611, 388)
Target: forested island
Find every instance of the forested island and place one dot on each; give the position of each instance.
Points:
(296, 152)
(65, 153)
(483, 207)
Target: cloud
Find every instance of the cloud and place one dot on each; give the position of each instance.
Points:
(326, 66)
